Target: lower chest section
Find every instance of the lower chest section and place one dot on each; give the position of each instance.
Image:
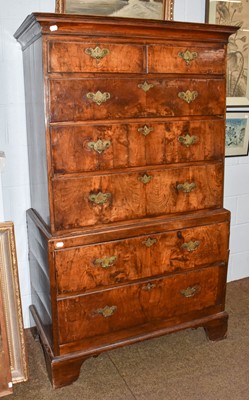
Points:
(118, 289)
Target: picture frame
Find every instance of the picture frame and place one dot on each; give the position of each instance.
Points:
(5, 372)
(235, 13)
(9, 286)
(237, 134)
(156, 9)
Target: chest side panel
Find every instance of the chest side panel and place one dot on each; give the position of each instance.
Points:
(36, 129)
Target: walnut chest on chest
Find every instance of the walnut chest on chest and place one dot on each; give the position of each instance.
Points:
(128, 237)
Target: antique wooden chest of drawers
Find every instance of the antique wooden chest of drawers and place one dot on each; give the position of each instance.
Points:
(128, 237)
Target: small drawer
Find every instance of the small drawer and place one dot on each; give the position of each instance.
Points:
(95, 57)
(102, 199)
(82, 269)
(144, 97)
(182, 59)
(109, 146)
(125, 307)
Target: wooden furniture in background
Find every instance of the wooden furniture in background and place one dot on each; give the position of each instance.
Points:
(128, 235)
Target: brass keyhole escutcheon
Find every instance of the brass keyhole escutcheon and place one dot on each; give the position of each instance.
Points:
(145, 178)
(145, 130)
(145, 86)
(149, 242)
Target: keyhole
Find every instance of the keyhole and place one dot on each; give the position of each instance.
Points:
(179, 235)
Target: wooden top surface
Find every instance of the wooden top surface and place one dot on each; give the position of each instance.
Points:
(38, 24)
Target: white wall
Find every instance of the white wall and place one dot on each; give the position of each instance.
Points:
(15, 177)
(189, 10)
(15, 181)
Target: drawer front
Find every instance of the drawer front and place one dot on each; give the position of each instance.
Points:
(109, 146)
(102, 199)
(136, 304)
(95, 57)
(90, 267)
(131, 58)
(193, 60)
(113, 98)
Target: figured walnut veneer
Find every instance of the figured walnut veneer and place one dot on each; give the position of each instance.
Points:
(128, 236)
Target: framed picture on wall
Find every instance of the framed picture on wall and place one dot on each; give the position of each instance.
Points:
(231, 12)
(5, 371)
(155, 9)
(9, 288)
(237, 134)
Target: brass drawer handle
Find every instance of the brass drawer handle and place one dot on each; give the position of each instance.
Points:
(191, 246)
(145, 179)
(149, 242)
(188, 96)
(186, 187)
(190, 291)
(188, 56)
(98, 97)
(99, 198)
(149, 287)
(97, 53)
(107, 311)
(145, 86)
(105, 262)
(99, 146)
(145, 130)
(187, 140)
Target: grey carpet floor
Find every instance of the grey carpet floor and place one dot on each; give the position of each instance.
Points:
(179, 366)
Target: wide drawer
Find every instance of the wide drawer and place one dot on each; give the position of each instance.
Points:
(126, 307)
(101, 199)
(109, 146)
(186, 59)
(96, 57)
(144, 97)
(90, 267)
